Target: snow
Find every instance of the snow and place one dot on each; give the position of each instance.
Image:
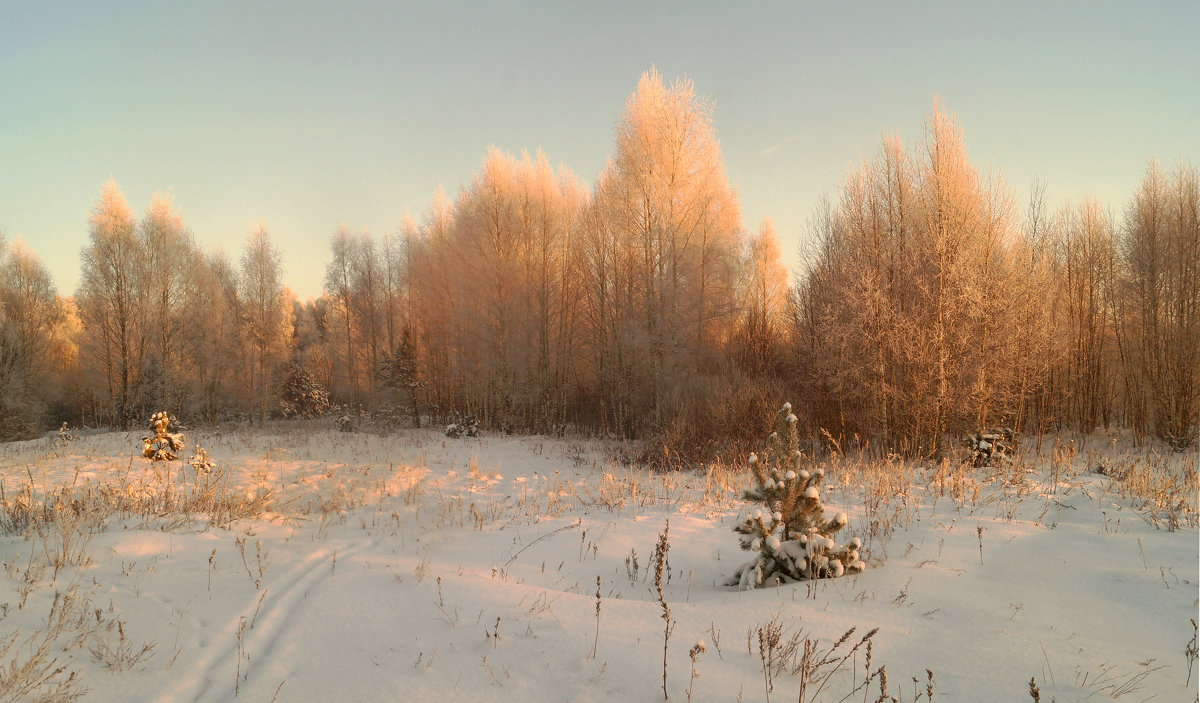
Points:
(417, 567)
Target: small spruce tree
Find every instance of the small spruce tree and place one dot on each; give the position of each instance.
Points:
(163, 445)
(400, 379)
(789, 533)
(302, 394)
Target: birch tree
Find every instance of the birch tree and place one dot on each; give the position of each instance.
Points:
(665, 201)
(33, 351)
(917, 269)
(339, 279)
(166, 249)
(1160, 317)
(266, 313)
(110, 303)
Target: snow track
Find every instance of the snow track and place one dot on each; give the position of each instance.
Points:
(212, 677)
(449, 585)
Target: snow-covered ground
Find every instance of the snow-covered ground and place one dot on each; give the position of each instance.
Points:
(416, 567)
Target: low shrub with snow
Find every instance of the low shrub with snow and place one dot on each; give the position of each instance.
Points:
(789, 533)
(466, 426)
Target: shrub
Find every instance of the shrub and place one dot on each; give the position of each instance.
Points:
(465, 426)
(302, 394)
(789, 533)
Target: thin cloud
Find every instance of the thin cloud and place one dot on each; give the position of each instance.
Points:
(775, 147)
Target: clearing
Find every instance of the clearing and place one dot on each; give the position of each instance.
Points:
(313, 565)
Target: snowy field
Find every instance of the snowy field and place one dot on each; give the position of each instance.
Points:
(313, 565)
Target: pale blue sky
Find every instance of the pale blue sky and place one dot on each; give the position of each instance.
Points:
(304, 115)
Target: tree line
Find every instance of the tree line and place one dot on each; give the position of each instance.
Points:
(929, 303)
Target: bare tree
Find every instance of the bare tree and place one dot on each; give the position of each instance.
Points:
(1160, 309)
(110, 304)
(166, 248)
(210, 331)
(1084, 267)
(433, 303)
(916, 270)
(759, 344)
(368, 300)
(267, 311)
(339, 278)
(665, 202)
(32, 345)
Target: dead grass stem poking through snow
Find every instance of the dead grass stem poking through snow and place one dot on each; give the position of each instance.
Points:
(1165, 488)
(660, 561)
(596, 639)
(39, 675)
(694, 654)
(821, 667)
(1190, 651)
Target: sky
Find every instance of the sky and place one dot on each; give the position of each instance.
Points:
(303, 116)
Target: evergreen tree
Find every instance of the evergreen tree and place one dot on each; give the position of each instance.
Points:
(790, 534)
(163, 445)
(302, 394)
(397, 376)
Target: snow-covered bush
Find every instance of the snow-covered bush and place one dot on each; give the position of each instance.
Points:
(200, 461)
(466, 426)
(788, 533)
(163, 445)
(388, 416)
(302, 394)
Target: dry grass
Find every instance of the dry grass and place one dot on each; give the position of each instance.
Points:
(31, 669)
(1164, 488)
(829, 669)
(883, 495)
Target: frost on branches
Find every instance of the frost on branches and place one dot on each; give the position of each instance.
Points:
(466, 426)
(162, 445)
(302, 394)
(789, 534)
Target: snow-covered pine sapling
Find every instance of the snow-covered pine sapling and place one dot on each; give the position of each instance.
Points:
(789, 533)
(163, 445)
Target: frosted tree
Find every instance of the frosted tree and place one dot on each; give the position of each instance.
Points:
(165, 247)
(163, 445)
(110, 301)
(302, 394)
(669, 223)
(758, 341)
(266, 314)
(789, 534)
(339, 276)
(913, 266)
(34, 345)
